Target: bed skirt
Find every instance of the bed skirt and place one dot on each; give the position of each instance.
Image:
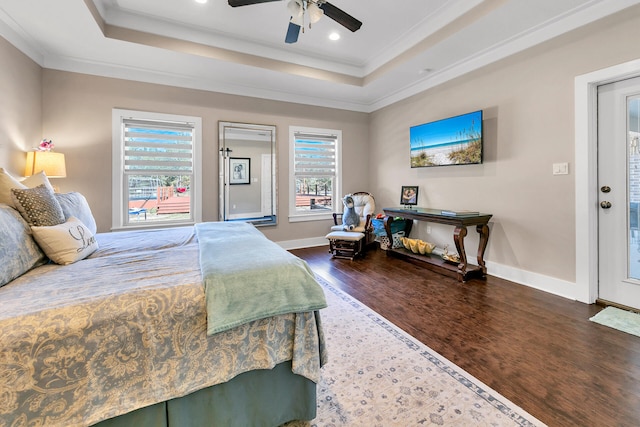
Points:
(261, 398)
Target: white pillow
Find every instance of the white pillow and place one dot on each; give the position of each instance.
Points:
(7, 182)
(66, 243)
(37, 179)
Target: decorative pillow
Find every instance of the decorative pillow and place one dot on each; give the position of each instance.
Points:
(38, 206)
(74, 204)
(7, 182)
(37, 179)
(18, 251)
(66, 243)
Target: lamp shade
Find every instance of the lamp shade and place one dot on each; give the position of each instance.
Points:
(51, 163)
(315, 13)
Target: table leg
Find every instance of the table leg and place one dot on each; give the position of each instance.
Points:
(483, 230)
(458, 238)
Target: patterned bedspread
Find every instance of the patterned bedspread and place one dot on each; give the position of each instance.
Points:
(126, 328)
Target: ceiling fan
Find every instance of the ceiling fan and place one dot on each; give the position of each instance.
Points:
(313, 8)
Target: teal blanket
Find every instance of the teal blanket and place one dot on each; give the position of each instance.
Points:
(248, 277)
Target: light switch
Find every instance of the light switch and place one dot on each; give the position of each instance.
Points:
(561, 168)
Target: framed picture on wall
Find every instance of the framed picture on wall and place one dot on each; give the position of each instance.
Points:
(239, 170)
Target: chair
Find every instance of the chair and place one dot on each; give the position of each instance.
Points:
(350, 244)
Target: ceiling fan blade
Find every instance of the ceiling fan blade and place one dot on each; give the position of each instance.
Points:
(340, 16)
(236, 3)
(292, 33)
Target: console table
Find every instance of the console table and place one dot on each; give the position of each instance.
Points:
(462, 270)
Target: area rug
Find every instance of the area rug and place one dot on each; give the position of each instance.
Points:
(378, 375)
(622, 320)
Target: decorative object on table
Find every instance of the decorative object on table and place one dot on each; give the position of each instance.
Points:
(409, 195)
(417, 246)
(459, 213)
(43, 159)
(46, 145)
(452, 141)
(350, 218)
(425, 248)
(240, 170)
(450, 257)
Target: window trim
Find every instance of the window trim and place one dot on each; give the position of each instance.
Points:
(118, 176)
(301, 217)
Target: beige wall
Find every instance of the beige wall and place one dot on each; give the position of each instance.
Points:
(20, 107)
(77, 115)
(528, 103)
(529, 118)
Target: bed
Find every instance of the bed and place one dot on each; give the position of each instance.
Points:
(124, 336)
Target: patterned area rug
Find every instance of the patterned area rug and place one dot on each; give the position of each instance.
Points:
(622, 320)
(378, 375)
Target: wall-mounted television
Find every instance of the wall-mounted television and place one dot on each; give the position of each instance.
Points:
(452, 141)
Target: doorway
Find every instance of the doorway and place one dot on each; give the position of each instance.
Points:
(619, 192)
(586, 174)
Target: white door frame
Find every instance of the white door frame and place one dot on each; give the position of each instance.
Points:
(586, 173)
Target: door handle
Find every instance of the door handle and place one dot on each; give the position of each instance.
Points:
(605, 205)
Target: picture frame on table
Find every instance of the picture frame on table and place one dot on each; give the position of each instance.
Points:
(409, 195)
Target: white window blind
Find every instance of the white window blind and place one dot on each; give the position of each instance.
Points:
(158, 147)
(315, 155)
(315, 173)
(156, 162)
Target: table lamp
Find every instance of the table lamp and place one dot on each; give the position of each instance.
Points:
(52, 164)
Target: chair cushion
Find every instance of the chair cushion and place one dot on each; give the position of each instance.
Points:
(364, 204)
(345, 235)
(358, 229)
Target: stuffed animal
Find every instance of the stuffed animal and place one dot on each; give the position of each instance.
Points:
(350, 219)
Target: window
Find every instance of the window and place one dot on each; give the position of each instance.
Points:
(156, 173)
(315, 173)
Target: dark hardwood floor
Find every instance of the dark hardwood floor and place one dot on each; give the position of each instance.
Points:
(536, 349)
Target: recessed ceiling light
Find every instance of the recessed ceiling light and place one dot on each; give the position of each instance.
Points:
(201, 1)
(334, 36)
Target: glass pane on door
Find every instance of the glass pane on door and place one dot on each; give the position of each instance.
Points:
(633, 185)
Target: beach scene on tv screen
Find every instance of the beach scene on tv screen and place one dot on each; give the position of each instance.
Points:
(453, 141)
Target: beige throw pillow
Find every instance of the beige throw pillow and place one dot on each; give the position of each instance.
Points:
(37, 179)
(7, 182)
(66, 243)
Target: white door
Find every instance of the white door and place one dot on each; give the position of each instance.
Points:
(619, 192)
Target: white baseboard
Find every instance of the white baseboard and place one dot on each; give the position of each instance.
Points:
(538, 281)
(304, 243)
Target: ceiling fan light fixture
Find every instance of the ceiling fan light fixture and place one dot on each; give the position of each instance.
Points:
(298, 20)
(295, 8)
(315, 13)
